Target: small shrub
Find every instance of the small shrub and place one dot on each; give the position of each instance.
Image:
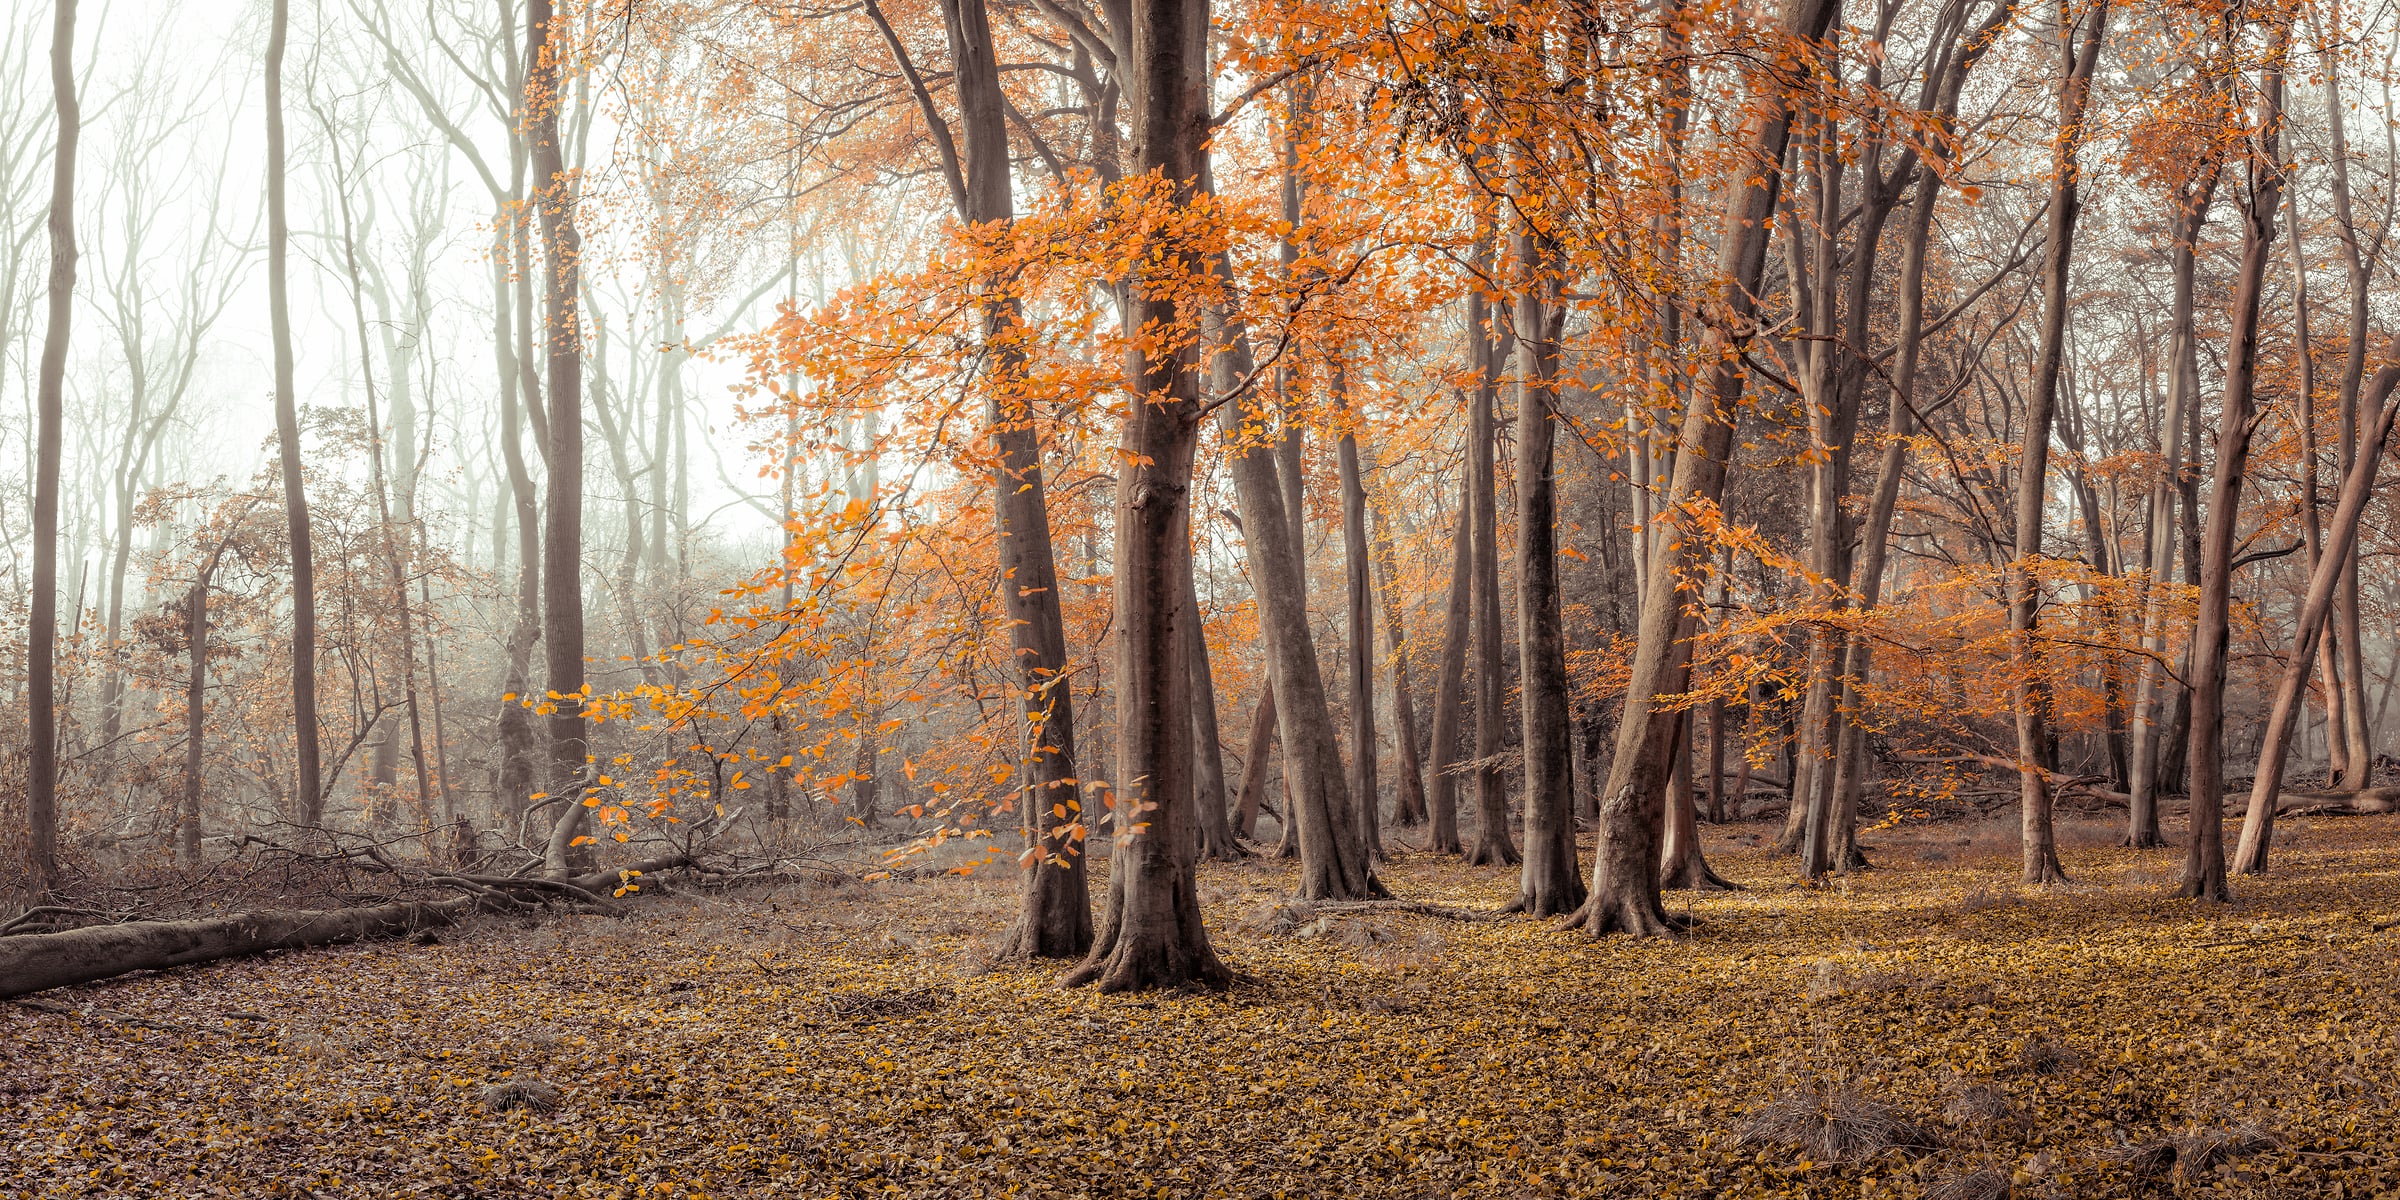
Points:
(1829, 1123)
(538, 1095)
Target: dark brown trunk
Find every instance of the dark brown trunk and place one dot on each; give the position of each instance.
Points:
(1055, 919)
(41, 793)
(307, 788)
(1449, 686)
(2204, 853)
(1359, 604)
(1150, 933)
(2039, 842)
(1552, 882)
(1493, 845)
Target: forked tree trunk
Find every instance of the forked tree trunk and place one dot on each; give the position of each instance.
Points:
(2039, 842)
(1551, 883)
(1150, 933)
(2204, 853)
(1625, 881)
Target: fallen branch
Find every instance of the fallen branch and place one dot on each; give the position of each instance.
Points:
(1414, 907)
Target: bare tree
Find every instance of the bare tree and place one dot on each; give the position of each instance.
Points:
(41, 799)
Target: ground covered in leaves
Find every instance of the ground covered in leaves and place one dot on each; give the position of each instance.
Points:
(1927, 1028)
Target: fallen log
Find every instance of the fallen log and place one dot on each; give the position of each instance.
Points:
(37, 962)
(2366, 802)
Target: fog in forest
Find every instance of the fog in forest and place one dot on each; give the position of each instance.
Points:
(1212, 598)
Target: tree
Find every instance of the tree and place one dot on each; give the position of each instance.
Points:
(308, 794)
(562, 517)
(1150, 932)
(41, 801)
(1624, 893)
(2025, 589)
(2204, 851)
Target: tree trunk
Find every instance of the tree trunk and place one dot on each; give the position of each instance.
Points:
(1552, 882)
(1493, 845)
(2204, 855)
(1359, 603)
(2359, 750)
(519, 773)
(307, 786)
(2039, 842)
(1449, 686)
(1055, 920)
(1410, 808)
(195, 623)
(1217, 842)
(562, 519)
(41, 793)
(1682, 864)
(1317, 816)
(1150, 934)
(2291, 692)
(2160, 547)
(1261, 744)
(1625, 881)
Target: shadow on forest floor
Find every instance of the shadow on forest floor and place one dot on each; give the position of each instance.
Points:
(1925, 1028)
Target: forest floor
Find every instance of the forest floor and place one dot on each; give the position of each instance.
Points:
(1956, 1035)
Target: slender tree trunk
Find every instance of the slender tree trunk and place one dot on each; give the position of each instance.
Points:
(1625, 881)
(1449, 686)
(1410, 808)
(2204, 853)
(1551, 882)
(1261, 744)
(1055, 920)
(1682, 864)
(2291, 692)
(1359, 602)
(195, 619)
(2359, 750)
(1493, 845)
(41, 793)
(519, 775)
(1217, 842)
(2142, 828)
(1150, 934)
(2040, 843)
(307, 796)
(1317, 815)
